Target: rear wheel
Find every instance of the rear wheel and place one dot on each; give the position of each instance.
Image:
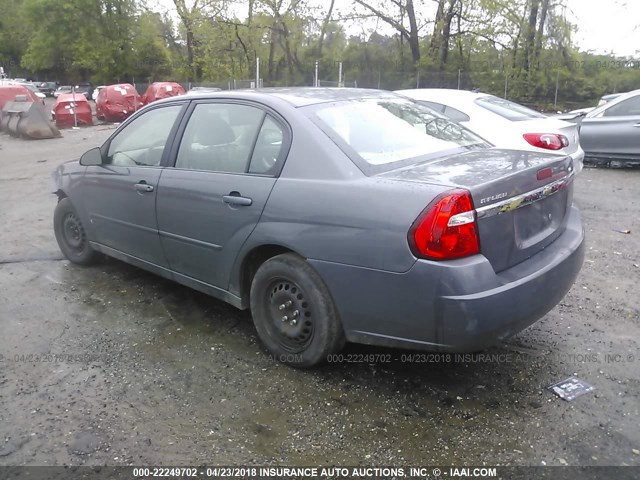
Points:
(294, 313)
(71, 235)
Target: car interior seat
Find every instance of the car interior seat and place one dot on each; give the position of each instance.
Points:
(206, 146)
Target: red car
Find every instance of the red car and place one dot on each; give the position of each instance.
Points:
(159, 90)
(116, 102)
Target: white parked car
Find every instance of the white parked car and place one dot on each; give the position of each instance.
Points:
(504, 123)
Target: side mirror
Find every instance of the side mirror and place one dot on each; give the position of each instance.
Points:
(91, 157)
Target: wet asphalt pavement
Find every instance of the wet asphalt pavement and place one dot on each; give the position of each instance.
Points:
(110, 365)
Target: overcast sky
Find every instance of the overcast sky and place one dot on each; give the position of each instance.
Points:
(607, 26)
(603, 26)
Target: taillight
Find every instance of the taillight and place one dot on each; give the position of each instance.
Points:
(549, 141)
(446, 229)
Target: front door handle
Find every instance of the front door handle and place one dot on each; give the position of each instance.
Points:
(636, 125)
(143, 187)
(234, 198)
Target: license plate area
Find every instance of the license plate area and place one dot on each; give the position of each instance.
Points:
(535, 222)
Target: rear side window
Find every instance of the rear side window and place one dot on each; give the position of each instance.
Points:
(268, 148)
(433, 106)
(509, 110)
(382, 132)
(456, 115)
(232, 138)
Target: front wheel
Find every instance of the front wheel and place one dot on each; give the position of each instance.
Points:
(71, 235)
(294, 313)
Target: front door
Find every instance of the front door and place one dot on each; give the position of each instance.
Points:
(121, 193)
(615, 133)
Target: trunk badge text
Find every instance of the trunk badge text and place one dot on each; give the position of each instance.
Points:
(493, 197)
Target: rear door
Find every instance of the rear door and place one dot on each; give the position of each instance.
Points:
(212, 198)
(120, 194)
(614, 132)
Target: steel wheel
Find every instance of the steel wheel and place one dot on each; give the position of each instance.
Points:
(71, 235)
(74, 232)
(293, 312)
(290, 315)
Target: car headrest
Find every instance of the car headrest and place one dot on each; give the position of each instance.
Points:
(215, 131)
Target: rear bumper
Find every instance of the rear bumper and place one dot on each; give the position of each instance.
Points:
(461, 305)
(578, 159)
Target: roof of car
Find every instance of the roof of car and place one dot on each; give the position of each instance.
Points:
(611, 96)
(302, 96)
(442, 93)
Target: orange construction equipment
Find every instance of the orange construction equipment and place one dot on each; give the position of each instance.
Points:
(159, 90)
(116, 102)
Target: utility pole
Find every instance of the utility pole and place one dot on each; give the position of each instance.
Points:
(257, 72)
(75, 108)
(340, 74)
(506, 81)
(135, 95)
(315, 78)
(555, 100)
(459, 78)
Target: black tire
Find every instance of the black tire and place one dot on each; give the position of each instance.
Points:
(282, 286)
(71, 235)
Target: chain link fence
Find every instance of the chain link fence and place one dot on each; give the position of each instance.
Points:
(548, 96)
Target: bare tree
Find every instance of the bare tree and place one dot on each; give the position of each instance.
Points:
(446, 12)
(190, 13)
(410, 33)
(325, 23)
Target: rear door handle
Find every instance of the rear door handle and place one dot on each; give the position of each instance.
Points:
(636, 125)
(143, 187)
(234, 198)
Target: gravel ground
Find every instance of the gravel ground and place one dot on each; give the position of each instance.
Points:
(110, 365)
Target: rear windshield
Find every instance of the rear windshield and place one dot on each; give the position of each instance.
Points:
(388, 133)
(509, 110)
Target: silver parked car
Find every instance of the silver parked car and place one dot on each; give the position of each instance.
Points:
(612, 130)
(334, 214)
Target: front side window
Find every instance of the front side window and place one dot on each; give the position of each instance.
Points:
(219, 137)
(143, 140)
(506, 109)
(628, 107)
(384, 131)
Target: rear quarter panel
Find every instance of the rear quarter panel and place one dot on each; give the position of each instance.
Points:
(324, 208)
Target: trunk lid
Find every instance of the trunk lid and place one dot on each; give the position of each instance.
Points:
(521, 198)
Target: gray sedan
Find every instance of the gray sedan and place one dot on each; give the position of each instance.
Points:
(612, 130)
(333, 214)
